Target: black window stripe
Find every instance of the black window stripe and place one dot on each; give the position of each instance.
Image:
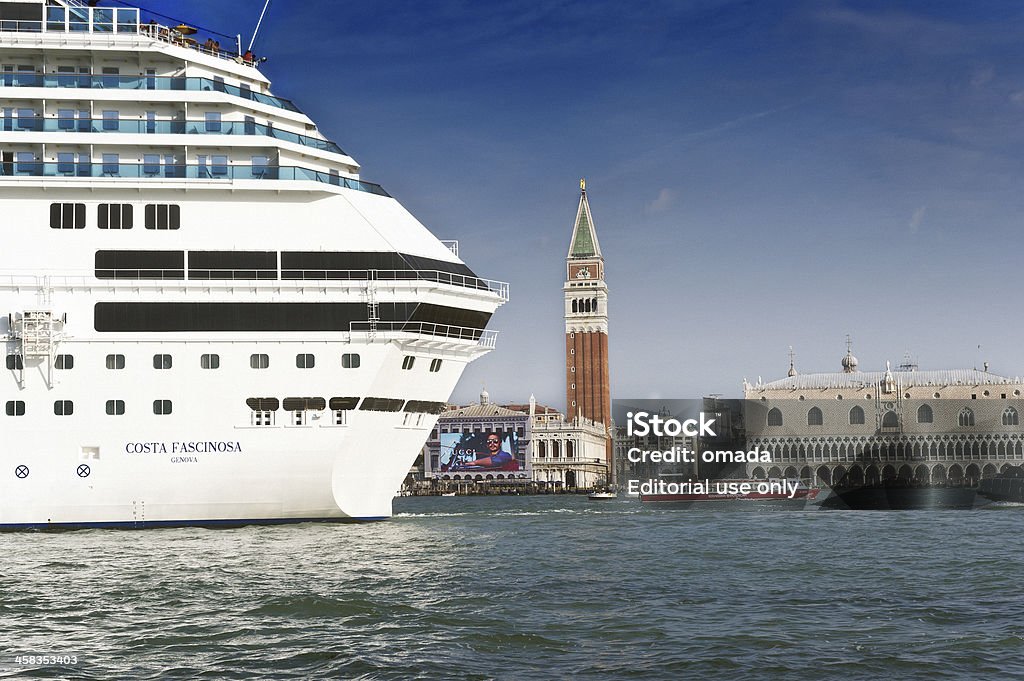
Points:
(232, 265)
(172, 317)
(140, 264)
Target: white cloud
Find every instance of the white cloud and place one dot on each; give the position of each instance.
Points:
(916, 219)
(666, 197)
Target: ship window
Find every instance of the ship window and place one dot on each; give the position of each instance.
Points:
(195, 316)
(15, 408)
(114, 215)
(26, 119)
(259, 361)
(115, 407)
(111, 164)
(424, 407)
(65, 163)
(163, 216)
(381, 404)
(213, 121)
(15, 362)
(343, 403)
(127, 20)
(259, 165)
(435, 365)
(26, 163)
(232, 265)
(209, 361)
(263, 403)
(218, 164)
(408, 361)
(150, 166)
(966, 418)
(350, 361)
(103, 22)
(65, 119)
(63, 408)
(140, 264)
(162, 361)
(55, 19)
(110, 120)
(161, 407)
(856, 416)
(65, 362)
(304, 403)
(305, 361)
(115, 361)
(774, 417)
(67, 215)
(263, 418)
(924, 414)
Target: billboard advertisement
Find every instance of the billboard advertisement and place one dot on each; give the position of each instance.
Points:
(489, 455)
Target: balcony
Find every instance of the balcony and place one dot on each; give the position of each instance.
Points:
(116, 82)
(484, 338)
(22, 168)
(154, 127)
(300, 277)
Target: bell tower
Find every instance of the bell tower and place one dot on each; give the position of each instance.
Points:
(587, 392)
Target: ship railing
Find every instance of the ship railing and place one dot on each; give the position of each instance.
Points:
(82, 18)
(211, 171)
(210, 47)
(452, 245)
(146, 127)
(146, 82)
(499, 288)
(483, 337)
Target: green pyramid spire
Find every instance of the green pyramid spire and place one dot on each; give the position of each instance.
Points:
(584, 237)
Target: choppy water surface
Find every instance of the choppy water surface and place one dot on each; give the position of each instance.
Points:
(528, 587)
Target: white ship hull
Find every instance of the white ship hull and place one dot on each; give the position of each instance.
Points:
(207, 316)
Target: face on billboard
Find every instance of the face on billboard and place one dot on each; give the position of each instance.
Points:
(493, 451)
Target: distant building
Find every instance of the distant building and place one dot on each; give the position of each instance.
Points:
(587, 386)
(952, 426)
(550, 450)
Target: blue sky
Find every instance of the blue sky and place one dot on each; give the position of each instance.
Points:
(761, 174)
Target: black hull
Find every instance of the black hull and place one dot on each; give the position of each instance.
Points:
(883, 498)
(1003, 489)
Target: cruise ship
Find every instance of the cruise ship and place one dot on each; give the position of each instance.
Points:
(208, 316)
